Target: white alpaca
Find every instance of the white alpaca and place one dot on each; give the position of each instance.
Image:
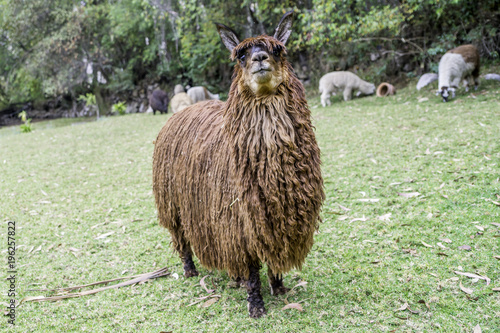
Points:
(180, 101)
(200, 93)
(332, 82)
(178, 89)
(457, 65)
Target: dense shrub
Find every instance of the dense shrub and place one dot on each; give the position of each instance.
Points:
(53, 47)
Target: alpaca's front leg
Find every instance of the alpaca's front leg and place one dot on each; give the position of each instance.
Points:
(325, 99)
(276, 283)
(466, 85)
(256, 307)
(454, 84)
(347, 93)
(452, 92)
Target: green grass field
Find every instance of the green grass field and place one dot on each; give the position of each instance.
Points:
(408, 182)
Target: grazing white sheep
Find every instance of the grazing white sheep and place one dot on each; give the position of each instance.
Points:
(180, 101)
(200, 93)
(330, 83)
(457, 65)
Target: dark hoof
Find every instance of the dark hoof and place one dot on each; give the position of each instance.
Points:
(191, 273)
(281, 290)
(256, 312)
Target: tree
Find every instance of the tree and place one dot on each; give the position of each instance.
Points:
(50, 48)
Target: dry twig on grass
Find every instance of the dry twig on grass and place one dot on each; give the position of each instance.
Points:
(136, 279)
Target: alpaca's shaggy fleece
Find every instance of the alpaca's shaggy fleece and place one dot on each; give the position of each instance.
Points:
(180, 101)
(240, 182)
(332, 82)
(200, 93)
(158, 100)
(457, 65)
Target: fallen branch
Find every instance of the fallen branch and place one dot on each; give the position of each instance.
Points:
(474, 276)
(139, 279)
(90, 284)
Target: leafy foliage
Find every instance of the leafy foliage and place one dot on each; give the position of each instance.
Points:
(54, 47)
(89, 99)
(119, 108)
(26, 126)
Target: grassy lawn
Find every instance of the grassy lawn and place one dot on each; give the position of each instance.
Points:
(409, 180)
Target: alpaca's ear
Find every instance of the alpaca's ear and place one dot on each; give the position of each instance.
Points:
(284, 28)
(228, 36)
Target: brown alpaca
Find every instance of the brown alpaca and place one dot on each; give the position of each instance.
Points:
(239, 183)
(470, 53)
(460, 63)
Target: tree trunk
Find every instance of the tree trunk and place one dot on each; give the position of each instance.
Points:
(102, 106)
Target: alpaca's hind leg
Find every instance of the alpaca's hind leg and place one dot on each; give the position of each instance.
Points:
(276, 283)
(186, 254)
(187, 260)
(256, 307)
(476, 80)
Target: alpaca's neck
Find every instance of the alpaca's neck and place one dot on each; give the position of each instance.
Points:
(274, 161)
(451, 66)
(265, 130)
(261, 127)
(264, 138)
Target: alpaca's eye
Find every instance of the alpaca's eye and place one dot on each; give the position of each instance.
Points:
(242, 57)
(276, 52)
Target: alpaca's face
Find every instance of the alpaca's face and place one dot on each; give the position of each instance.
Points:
(262, 68)
(261, 59)
(371, 89)
(445, 93)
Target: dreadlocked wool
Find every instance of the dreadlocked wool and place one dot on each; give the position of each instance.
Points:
(239, 182)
